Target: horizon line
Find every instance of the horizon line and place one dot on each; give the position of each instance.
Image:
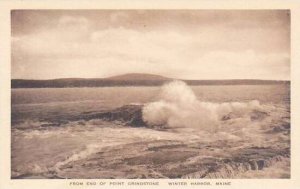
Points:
(148, 79)
(159, 77)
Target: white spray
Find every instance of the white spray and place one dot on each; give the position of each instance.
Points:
(179, 107)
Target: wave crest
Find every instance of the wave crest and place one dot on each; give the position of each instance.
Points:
(178, 106)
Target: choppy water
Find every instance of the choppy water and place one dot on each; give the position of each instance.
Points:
(46, 144)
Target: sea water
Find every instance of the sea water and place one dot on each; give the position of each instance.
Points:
(201, 121)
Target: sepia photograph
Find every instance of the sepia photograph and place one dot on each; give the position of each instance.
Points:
(150, 94)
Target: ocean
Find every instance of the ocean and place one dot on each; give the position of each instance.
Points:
(216, 131)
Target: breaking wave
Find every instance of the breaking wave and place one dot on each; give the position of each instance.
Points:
(178, 106)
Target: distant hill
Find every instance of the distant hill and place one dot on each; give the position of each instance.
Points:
(138, 76)
(132, 79)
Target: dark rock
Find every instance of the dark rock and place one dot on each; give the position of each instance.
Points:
(129, 114)
(258, 115)
(50, 125)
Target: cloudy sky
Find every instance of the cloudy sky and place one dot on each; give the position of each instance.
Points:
(197, 44)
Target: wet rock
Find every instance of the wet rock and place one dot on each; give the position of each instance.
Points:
(129, 114)
(51, 125)
(258, 115)
(255, 115)
(281, 128)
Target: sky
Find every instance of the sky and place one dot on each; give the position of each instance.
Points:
(183, 44)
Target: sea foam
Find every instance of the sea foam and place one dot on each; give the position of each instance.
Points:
(178, 106)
